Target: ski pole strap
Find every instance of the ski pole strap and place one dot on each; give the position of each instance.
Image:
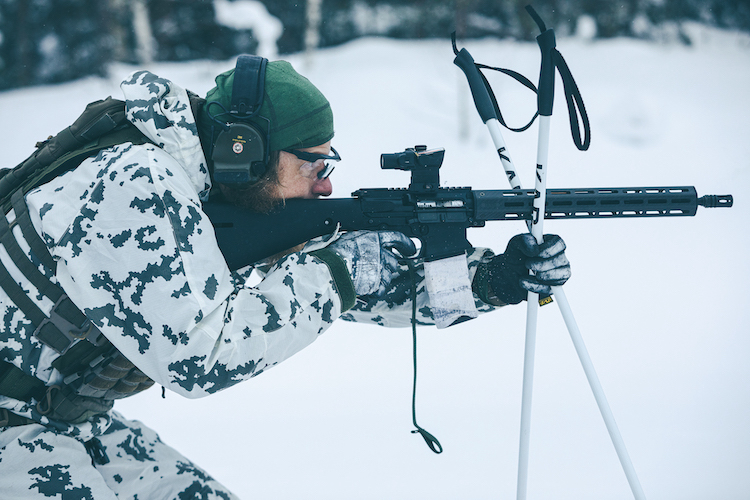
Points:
(431, 440)
(484, 97)
(575, 103)
(553, 60)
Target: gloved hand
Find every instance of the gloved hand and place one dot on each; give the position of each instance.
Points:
(508, 273)
(368, 256)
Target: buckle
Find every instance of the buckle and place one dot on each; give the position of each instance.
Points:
(46, 404)
(58, 332)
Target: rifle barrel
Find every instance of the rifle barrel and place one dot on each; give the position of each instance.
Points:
(587, 203)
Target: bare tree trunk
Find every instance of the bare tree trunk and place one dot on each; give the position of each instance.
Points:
(463, 100)
(113, 18)
(24, 46)
(144, 37)
(312, 31)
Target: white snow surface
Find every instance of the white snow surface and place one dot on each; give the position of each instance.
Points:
(662, 303)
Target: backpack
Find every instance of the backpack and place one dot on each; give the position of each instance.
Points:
(95, 372)
(102, 124)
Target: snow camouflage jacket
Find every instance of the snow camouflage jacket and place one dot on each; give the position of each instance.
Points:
(138, 256)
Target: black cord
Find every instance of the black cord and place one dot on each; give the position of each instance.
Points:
(431, 440)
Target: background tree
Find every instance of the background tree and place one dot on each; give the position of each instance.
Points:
(48, 41)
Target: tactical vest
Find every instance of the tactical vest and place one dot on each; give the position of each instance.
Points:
(94, 372)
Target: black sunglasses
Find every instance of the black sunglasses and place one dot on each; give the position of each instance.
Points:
(313, 157)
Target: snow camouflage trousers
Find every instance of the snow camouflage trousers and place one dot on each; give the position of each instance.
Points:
(38, 463)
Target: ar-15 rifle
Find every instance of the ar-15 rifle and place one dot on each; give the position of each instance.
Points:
(438, 217)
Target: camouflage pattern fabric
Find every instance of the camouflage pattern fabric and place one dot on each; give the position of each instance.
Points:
(39, 463)
(394, 308)
(138, 256)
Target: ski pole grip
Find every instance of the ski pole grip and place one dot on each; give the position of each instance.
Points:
(546, 41)
(479, 92)
(546, 94)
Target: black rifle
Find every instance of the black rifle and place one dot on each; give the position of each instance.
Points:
(437, 216)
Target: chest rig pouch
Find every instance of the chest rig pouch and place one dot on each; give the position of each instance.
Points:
(95, 372)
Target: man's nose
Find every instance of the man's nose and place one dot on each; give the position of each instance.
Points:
(323, 187)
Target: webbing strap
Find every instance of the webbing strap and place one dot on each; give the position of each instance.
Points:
(19, 297)
(16, 384)
(65, 322)
(8, 419)
(520, 79)
(56, 330)
(484, 97)
(575, 103)
(22, 262)
(29, 233)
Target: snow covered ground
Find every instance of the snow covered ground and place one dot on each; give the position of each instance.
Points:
(662, 303)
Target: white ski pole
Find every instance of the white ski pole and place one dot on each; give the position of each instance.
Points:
(486, 109)
(493, 125)
(596, 388)
(546, 42)
(532, 309)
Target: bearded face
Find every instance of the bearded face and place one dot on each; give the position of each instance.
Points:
(288, 177)
(262, 196)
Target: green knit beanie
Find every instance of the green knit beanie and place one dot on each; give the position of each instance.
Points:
(300, 115)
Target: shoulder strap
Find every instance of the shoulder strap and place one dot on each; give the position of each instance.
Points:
(66, 322)
(103, 124)
(23, 220)
(16, 384)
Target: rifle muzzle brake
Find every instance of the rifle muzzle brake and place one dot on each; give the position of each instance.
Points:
(716, 200)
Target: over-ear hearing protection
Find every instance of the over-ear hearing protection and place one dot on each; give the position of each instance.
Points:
(240, 152)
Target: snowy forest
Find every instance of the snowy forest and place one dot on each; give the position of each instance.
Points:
(49, 41)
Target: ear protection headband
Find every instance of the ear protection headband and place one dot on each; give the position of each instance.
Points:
(240, 153)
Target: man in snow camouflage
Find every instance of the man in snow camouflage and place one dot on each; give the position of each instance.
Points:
(135, 253)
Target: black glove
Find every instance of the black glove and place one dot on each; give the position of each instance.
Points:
(508, 273)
